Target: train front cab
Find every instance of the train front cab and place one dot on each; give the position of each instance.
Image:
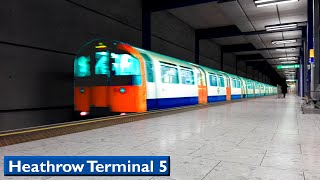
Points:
(109, 77)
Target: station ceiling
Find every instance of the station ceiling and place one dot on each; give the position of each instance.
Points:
(239, 26)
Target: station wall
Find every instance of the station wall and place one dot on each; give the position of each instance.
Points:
(39, 38)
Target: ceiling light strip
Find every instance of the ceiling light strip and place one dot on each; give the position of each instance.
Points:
(281, 25)
(262, 3)
(287, 58)
(287, 62)
(286, 41)
(286, 49)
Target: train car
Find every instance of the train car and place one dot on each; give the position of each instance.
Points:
(250, 86)
(244, 87)
(217, 85)
(172, 82)
(112, 76)
(259, 88)
(256, 88)
(268, 89)
(263, 89)
(235, 84)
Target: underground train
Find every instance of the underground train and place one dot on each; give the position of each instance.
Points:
(111, 76)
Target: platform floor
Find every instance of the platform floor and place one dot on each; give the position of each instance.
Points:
(264, 138)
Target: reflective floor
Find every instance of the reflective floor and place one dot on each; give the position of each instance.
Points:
(264, 138)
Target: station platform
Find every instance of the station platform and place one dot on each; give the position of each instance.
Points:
(262, 138)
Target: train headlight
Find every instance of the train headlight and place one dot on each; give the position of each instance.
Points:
(81, 90)
(122, 90)
(84, 113)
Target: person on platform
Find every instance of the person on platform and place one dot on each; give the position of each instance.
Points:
(284, 90)
(279, 91)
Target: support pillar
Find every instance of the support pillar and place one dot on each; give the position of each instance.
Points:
(236, 66)
(316, 43)
(306, 86)
(221, 59)
(197, 50)
(146, 29)
(302, 80)
(246, 70)
(310, 76)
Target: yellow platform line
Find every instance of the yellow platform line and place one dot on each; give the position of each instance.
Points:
(89, 121)
(112, 118)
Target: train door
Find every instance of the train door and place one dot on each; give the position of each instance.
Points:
(228, 89)
(246, 88)
(202, 86)
(152, 102)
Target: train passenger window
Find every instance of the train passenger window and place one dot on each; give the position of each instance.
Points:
(239, 84)
(149, 68)
(234, 83)
(125, 69)
(222, 81)
(187, 76)
(82, 66)
(102, 63)
(213, 80)
(169, 74)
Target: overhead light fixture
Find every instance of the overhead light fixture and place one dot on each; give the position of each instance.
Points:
(287, 49)
(281, 26)
(285, 41)
(284, 62)
(287, 58)
(262, 3)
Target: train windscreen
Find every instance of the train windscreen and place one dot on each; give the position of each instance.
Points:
(105, 66)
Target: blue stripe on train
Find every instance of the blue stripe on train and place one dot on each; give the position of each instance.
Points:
(236, 96)
(217, 98)
(185, 101)
(170, 102)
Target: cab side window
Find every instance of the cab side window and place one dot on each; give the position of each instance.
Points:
(149, 68)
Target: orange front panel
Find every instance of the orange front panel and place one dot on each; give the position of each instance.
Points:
(99, 96)
(82, 98)
(132, 100)
(228, 93)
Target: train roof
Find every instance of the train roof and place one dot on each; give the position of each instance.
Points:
(173, 60)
